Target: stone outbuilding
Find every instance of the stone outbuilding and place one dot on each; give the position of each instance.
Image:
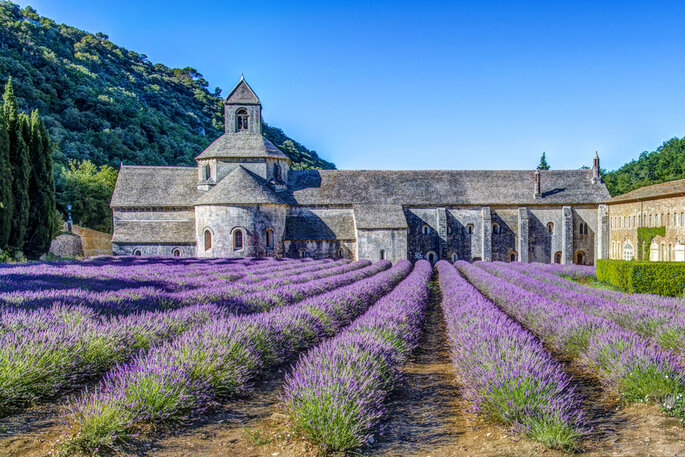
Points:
(243, 199)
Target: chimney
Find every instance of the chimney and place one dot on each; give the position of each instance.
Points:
(595, 169)
(538, 187)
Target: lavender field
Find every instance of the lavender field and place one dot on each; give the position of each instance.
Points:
(172, 357)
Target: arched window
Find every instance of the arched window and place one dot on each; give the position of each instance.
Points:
(580, 258)
(454, 257)
(277, 172)
(341, 253)
(431, 257)
(303, 253)
(208, 240)
(627, 251)
(670, 253)
(426, 230)
(512, 256)
(137, 252)
(176, 252)
(241, 120)
(650, 220)
(469, 229)
(496, 229)
(550, 228)
(381, 254)
(557, 257)
(583, 230)
(206, 172)
(269, 239)
(238, 240)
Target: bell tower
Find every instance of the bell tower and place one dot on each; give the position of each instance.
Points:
(243, 110)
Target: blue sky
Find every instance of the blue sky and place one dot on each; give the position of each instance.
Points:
(428, 85)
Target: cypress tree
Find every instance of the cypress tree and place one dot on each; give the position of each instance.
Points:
(41, 191)
(6, 200)
(17, 128)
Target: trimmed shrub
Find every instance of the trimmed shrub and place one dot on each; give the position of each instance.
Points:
(663, 278)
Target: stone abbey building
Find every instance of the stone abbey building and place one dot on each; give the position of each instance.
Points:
(243, 200)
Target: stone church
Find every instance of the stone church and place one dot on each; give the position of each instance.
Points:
(243, 200)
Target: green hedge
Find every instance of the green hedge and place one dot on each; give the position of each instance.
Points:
(663, 278)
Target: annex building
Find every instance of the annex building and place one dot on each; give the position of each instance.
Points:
(660, 209)
(243, 200)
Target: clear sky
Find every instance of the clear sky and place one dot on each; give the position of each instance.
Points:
(421, 85)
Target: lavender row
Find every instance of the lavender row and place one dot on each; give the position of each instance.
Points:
(49, 352)
(537, 271)
(504, 371)
(46, 352)
(153, 298)
(575, 272)
(336, 392)
(177, 382)
(666, 328)
(625, 362)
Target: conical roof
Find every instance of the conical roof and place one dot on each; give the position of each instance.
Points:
(240, 187)
(241, 145)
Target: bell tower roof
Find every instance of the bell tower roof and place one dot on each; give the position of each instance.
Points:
(242, 94)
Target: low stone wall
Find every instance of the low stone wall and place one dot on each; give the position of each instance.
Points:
(81, 242)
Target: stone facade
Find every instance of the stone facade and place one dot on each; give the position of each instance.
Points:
(660, 205)
(242, 200)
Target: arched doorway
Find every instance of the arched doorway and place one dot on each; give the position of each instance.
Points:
(512, 256)
(557, 257)
(580, 258)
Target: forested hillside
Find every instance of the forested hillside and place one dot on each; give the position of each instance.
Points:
(665, 164)
(106, 104)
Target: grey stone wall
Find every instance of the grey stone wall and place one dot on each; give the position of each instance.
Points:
(253, 220)
(543, 246)
(145, 250)
(321, 249)
(393, 243)
(505, 242)
(254, 121)
(184, 214)
(585, 242)
(257, 166)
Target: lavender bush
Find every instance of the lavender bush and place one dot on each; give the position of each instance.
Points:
(666, 327)
(217, 361)
(504, 371)
(625, 362)
(336, 391)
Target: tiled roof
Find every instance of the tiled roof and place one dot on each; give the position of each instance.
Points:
(181, 232)
(240, 187)
(241, 145)
(155, 187)
(664, 189)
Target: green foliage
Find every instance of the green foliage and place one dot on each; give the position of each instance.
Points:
(41, 223)
(109, 105)
(663, 278)
(18, 131)
(6, 201)
(665, 164)
(543, 162)
(88, 189)
(645, 235)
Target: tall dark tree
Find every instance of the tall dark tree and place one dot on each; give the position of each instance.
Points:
(41, 225)
(543, 162)
(6, 200)
(17, 128)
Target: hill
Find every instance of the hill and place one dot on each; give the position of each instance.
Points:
(109, 105)
(665, 164)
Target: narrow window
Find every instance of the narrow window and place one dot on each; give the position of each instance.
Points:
(449, 229)
(550, 228)
(137, 253)
(269, 239)
(238, 240)
(207, 172)
(176, 252)
(241, 119)
(454, 257)
(341, 253)
(512, 256)
(208, 240)
(277, 172)
(303, 253)
(496, 228)
(381, 255)
(469, 229)
(425, 229)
